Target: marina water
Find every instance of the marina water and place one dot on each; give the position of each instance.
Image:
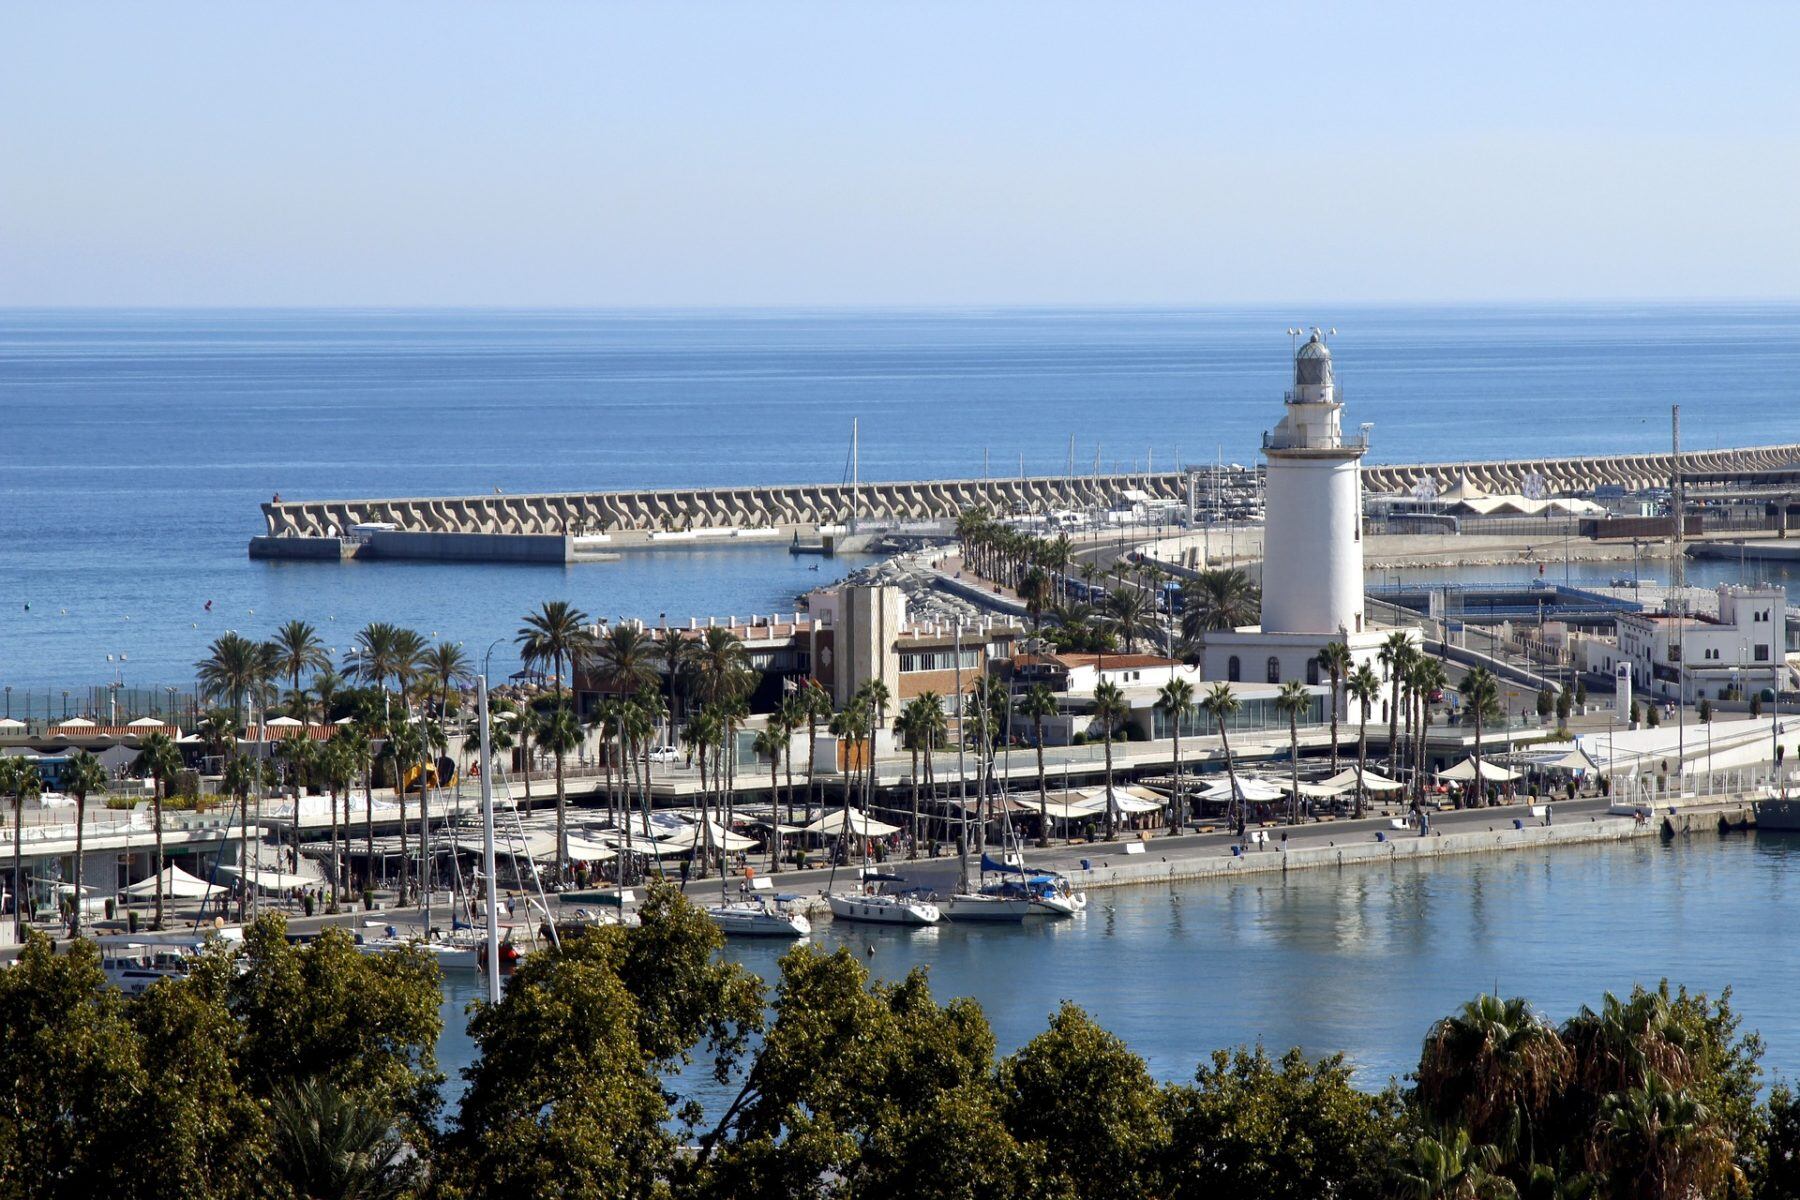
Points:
(138, 444)
(1360, 960)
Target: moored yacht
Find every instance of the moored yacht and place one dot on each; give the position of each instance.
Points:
(869, 904)
(981, 906)
(760, 918)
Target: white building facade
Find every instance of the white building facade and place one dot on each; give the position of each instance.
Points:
(1702, 655)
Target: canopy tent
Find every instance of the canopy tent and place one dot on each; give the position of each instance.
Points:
(1127, 800)
(149, 723)
(1464, 772)
(1248, 787)
(1062, 806)
(687, 835)
(283, 723)
(1317, 791)
(1345, 780)
(850, 820)
(268, 881)
(175, 883)
(590, 851)
(11, 723)
(75, 723)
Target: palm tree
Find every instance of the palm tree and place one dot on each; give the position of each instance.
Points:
(1446, 1165)
(235, 670)
(82, 777)
(1176, 701)
(375, 653)
(791, 716)
(1363, 686)
(560, 734)
(1221, 598)
(1482, 695)
(1660, 1142)
(337, 765)
(297, 651)
(446, 666)
(722, 666)
(1291, 702)
(405, 746)
(526, 722)
(909, 728)
(1395, 655)
(1110, 708)
(675, 650)
(159, 758)
(1039, 703)
(324, 1143)
(19, 779)
(1221, 704)
(876, 697)
(817, 702)
(1426, 679)
(771, 740)
(325, 686)
(1337, 661)
(1128, 609)
(1495, 1068)
(1036, 590)
(555, 634)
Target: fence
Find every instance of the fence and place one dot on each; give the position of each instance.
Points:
(106, 704)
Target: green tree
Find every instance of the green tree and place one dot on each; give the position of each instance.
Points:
(1396, 655)
(1079, 1093)
(1363, 686)
(1494, 1068)
(325, 1146)
(1338, 662)
(1253, 1128)
(297, 651)
(556, 635)
(560, 734)
(1481, 696)
(446, 667)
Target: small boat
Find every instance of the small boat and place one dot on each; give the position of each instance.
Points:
(458, 955)
(1049, 894)
(755, 918)
(980, 906)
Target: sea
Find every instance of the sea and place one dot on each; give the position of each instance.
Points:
(135, 446)
(1357, 961)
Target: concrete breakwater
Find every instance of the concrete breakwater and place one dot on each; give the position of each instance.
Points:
(644, 517)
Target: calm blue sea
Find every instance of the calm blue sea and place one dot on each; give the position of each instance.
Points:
(137, 445)
(1360, 960)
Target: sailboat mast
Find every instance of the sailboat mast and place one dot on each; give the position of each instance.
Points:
(487, 842)
(962, 776)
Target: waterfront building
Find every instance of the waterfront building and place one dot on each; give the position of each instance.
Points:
(1312, 573)
(1739, 647)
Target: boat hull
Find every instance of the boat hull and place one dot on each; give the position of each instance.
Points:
(760, 924)
(990, 909)
(883, 910)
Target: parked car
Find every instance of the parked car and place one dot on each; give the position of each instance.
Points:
(663, 754)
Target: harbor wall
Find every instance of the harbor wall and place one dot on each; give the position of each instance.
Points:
(1117, 869)
(805, 507)
(470, 547)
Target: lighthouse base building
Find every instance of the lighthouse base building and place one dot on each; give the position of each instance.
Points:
(1312, 573)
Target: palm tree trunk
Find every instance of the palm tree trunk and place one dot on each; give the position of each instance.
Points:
(332, 871)
(812, 739)
(18, 869)
(1294, 768)
(774, 817)
(80, 826)
(1394, 724)
(405, 850)
(1334, 722)
(1174, 825)
(156, 815)
(1479, 785)
(244, 847)
(369, 830)
(913, 850)
(1362, 759)
(1111, 823)
(1230, 773)
(562, 809)
(425, 863)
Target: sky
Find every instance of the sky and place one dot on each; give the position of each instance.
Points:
(756, 152)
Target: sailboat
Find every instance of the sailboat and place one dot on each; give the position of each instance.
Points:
(1047, 893)
(760, 917)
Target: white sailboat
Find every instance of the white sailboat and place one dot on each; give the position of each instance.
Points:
(758, 918)
(872, 906)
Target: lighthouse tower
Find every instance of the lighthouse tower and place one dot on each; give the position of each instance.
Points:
(1312, 571)
(1312, 536)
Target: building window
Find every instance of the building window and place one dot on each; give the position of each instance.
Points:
(1274, 669)
(938, 660)
(1762, 653)
(1312, 671)
(1234, 670)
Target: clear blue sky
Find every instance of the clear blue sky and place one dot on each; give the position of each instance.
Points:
(756, 152)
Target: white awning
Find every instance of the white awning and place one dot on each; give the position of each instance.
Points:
(1345, 780)
(590, 851)
(1464, 772)
(1126, 799)
(1249, 788)
(851, 820)
(269, 881)
(149, 723)
(283, 723)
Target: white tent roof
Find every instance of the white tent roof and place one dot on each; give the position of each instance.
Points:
(687, 835)
(1464, 772)
(1126, 799)
(283, 723)
(1248, 786)
(852, 820)
(175, 882)
(1062, 806)
(148, 723)
(591, 851)
(75, 723)
(1345, 780)
(269, 881)
(11, 723)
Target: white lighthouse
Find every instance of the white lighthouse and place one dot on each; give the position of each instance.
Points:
(1312, 571)
(1312, 533)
